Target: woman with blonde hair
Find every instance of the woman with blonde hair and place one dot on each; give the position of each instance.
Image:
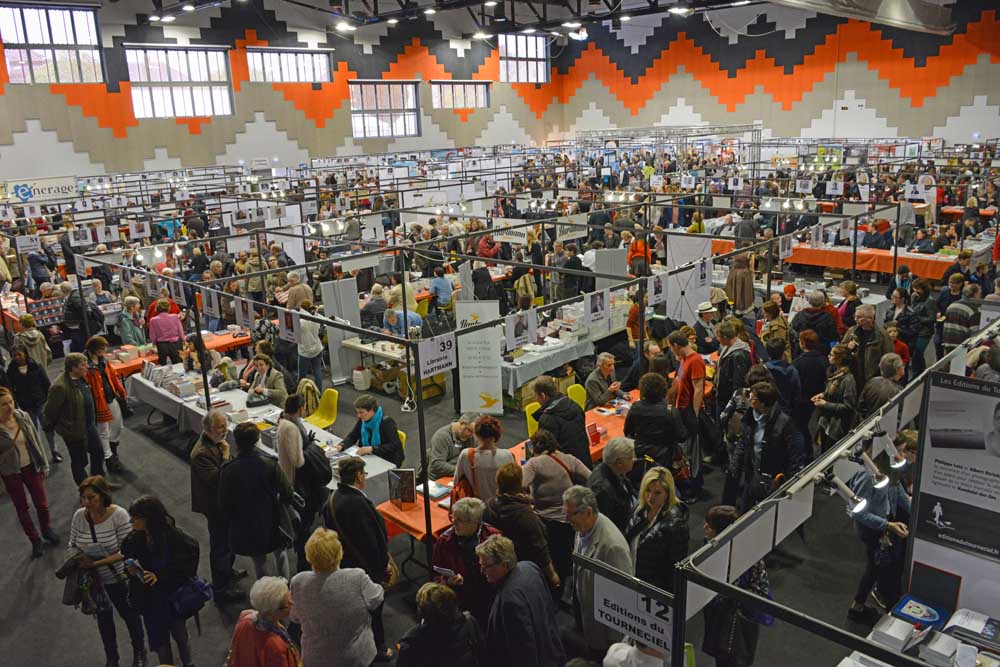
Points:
(334, 606)
(657, 533)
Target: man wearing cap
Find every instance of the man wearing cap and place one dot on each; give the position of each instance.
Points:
(902, 280)
(962, 266)
(705, 328)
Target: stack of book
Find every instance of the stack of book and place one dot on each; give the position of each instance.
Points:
(939, 650)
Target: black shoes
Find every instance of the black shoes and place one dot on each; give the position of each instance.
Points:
(49, 536)
(114, 464)
(57, 457)
(37, 550)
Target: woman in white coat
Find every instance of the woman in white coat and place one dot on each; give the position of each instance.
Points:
(310, 348)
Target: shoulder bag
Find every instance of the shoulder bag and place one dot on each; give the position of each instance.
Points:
(464, 488)
(288, 517)
(572, 478)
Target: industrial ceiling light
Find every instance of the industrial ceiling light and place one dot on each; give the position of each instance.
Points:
(571, 24)
(168, 19)
(392, 21)
(430, 10)
(741, 3)
(491, 3)
(528, 31)
(154, 18)
(625, 18)
(881, 481)
(854, 503)
(188, 7)
(344, 26)
(680, 11)
(480, 35)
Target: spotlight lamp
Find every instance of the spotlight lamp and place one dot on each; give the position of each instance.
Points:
(785, 204)
(680, 10)
(881, 481)
(392, 21)
(480, 35)
(855, 504)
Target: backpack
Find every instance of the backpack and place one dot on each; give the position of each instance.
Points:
(311, 479)
(309, 394)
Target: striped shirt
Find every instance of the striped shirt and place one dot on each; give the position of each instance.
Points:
(110, 534)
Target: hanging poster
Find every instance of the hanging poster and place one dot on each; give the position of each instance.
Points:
(521, 328)
(152, 285)
(81, 266)
(26, 244)
(244, 313)
(687, 182)
(834, 188)
(126, 278)
(703, 272)
(503, 233)
(656, 288)
(107, 233)
(735, 183)
(80, 237)
(138, 229)
(597, 307)
(288, 325)
(210, 302)
(816, 236)
(785, 246)
(481, 385)
(177, 292)
(803, 186)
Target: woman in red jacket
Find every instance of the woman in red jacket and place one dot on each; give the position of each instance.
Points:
(455, 561)
(108, 390)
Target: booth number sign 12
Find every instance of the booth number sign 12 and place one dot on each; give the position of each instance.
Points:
(437, 354)
(632, 613)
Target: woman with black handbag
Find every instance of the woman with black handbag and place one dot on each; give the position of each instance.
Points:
(160, 559)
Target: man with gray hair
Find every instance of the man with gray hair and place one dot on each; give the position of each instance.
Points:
(447, 443)
(297, 291)
(209, 454)
(610, 483)
(868, 343)
(816, 318)
(879, 390)
(601, 384)
(597, 538)
(522, 627)
(961, 318)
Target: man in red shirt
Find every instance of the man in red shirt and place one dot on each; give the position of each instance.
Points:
(688, 391)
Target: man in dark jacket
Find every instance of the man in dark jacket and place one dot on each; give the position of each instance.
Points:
(786, 378)
(563, 418)
(879, 390)
(248, 486)
(522, 628)
(868, 343)
(70, 410)
(902, 280)
(640, 366)
(734, 363)
(511, 513)
(571, 283)
(815, 318)
(770, 449)
(610, 483)
(207, 458)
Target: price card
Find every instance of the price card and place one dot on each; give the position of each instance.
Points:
(437, 354)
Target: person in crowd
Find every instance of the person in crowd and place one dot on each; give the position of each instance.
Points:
(570, 283)
(361, 529)
(33, 340)
(883, 529)
(739, 285)
(521, 628)
(374, 432)
(443, 635)
(70, 410)
(811, 365)
(655, 427)
(899, 347)
(24, 466)
(100, 527)
(884, 386)
(815, 317)
(248, 488)
(704, 329)
(131, 326)
(732, 629)
(924, 316)
(563, 418)
(261, 636)
(298, 292)
(160, 559)
(447, 443)
(658, 530)
(394, 300)
(901, 313)
(454, 551)
(989, 365)
(392, 322)
(784, 375)
(440, 289)
(291, 435)
(164, 295)
(962, 267)
(167, 333)
(948, 295)
(902, 280)
(640, 367)
(835, 408)
(610, 481)
(599, 539)
(867, 342)
(266, 380)
(101, 296)
(74, 310)
(478, 465)
(689, 398)
(208, 455)
(328, 592)
(770, 448)
(108, 392)
(601, 384)
(310, 354)
(733, 365)
(776, 328)
(850, 303)
(992, 296)
(374, 309)
(961, 318)
(511, 512)
(30, 384)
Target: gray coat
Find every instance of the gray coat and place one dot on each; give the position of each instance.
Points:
(875, 394)
(607, 545)
(334, 611)
(443, 452)
(10, 460)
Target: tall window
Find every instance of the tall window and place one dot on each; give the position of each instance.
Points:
(524, 58)
(460, 95)
(384, 109)
(289, 66)
(51, 45)
(174, 83)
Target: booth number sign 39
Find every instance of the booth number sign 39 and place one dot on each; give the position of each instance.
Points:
(437, 354)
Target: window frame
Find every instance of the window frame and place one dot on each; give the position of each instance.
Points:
(263, 75)
(377, 99)
(63, 61)
(519, 66)
(166, 84)
(441, 87)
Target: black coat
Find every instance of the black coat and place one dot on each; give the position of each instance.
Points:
(459, 644)
(635, 372)
(703, 334)
(659, 545)
(522, 628)
(782, 452)
(391, 448)
(516, 519)
(30, 389)
(731, 374)
(819, 321)
(615, 495)
(572, 282)
(565, 420)
(657, 429)
(248, 488)
(180, 552)
(361, 529)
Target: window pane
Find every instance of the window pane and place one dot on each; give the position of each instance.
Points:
(369, 98)
(383, 97)
(36, 26)
(396, 98)
(459, 94)
(503, 46)
(217, 66)
(11, 31)
(162, 106)
(530, 53)
(470, 95)
(272, 68)
(157, 62)
(522, 46)
(182, 101)
(398, 125)
(411, 124)
(371, 125)
(410, 96)
(321, 63)
(177, 63)
(305, 64)
(522, 70)
(199, 66)
(136, 65)
(86, 30)
(481, 96)
(62, 26)
(66, 66)
(90, 66)
(447, 97)
(254, 65)
(503, 71)
(139, 107)
(435, 97)
(355, 98)
(18, 69)
(220, 98)
(288, 70)
(358, 126)
(42, 67)
(385, 125)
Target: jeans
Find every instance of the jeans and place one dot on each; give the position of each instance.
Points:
(261, 569)
(32, 480)
(106, 623)
(165, 653)
(888, 576)
(917, 361)
(312, 367)
(220, 555)
(79, 453)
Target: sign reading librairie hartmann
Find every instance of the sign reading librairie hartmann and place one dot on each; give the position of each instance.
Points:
(42, 189)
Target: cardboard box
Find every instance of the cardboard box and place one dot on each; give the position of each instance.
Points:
(526, 393)
(433, 386)
(382, 376)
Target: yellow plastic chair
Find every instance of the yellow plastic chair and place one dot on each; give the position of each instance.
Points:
(326, 411)
(578, 395)
(529, 410)
(422, 307)
(538, 302)
(402, 439)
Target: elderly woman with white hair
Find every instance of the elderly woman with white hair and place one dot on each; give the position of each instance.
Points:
(261, 636)
(331, 592)
(298, 292)
(454, 553)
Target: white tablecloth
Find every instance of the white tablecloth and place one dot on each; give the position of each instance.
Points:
(533, 364)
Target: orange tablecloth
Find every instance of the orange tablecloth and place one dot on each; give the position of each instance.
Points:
(957, 211)
(218, 342)
(411, 519)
